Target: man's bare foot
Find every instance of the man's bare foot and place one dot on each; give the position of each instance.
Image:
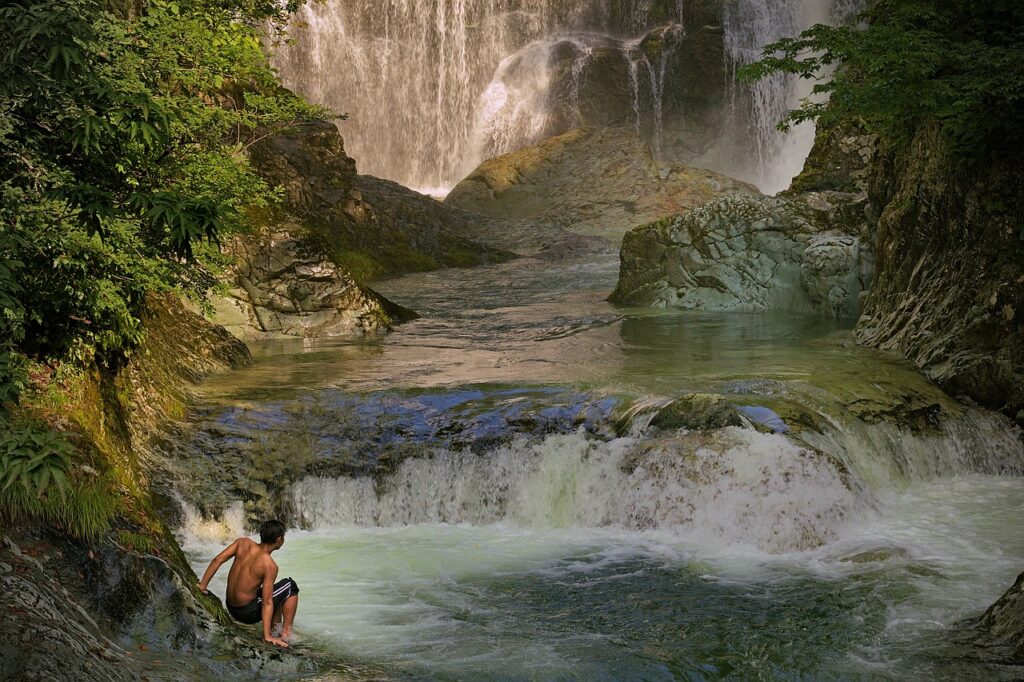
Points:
(276, 641)
(286, 634)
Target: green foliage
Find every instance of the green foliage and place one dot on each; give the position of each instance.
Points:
(136, 541)
(37, 482)
(34, 458)
(909, 63)
(86, 512)
(123, 130)
(122, 136)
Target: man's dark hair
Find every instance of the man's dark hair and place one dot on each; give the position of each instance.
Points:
(271, 531)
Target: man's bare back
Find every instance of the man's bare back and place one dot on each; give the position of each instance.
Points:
(248, 571)
(253, 595)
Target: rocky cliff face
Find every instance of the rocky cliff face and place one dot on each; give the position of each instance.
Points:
(948, 292)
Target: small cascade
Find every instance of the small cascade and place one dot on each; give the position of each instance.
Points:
(638, 60)
(734, 486)
(198, 529)
(886, 455)
(777, 492)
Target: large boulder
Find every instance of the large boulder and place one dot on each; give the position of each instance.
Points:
(369, 227)
(286, 287)
(746, 253)
(599, 181)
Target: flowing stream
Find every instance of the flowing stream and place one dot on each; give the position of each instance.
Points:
(491, 492)
(519, 517)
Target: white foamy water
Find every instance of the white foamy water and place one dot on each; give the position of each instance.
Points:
(501, 601)
(735, 486)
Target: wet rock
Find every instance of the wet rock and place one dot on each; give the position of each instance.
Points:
(1003, 624)
(746, 253)
(45, 633)
(286, 287)
(697, 411)
(598, 181)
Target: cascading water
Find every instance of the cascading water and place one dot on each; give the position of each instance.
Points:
(432, 88)
(737, 486)
(487, 494)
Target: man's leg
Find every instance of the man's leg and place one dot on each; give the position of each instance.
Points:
(290, 606)
(286, 603)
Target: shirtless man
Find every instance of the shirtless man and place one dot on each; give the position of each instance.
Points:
(252, 593)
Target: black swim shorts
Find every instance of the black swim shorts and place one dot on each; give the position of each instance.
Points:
(253, 611)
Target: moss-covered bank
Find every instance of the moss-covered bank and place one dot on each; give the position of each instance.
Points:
(124, 604)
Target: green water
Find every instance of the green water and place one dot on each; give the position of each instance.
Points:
(550, 556)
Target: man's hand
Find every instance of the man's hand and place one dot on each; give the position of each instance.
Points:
(276, 641)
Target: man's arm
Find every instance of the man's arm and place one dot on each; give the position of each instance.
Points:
(269, 576)
(217, 562)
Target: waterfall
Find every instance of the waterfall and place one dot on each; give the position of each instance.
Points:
(432, 87)
(732, 485)
(410, 72)
(749, 26)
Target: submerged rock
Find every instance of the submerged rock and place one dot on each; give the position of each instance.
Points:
(746, 253)
(697, 411)
(599, 181)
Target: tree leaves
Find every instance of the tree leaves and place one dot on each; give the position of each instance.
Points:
(121, 164)
(956, 63)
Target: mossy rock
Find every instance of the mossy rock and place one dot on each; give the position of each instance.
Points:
(697, 411)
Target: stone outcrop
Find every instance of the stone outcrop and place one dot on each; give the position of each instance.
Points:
(948, 293)
(746, 253)
(808, 249)
(1003, 622)
(301, 273)
(370, 228)
(597, 181)
(286, 287)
